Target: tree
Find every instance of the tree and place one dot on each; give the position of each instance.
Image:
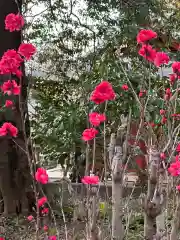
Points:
(152, 128)
(79, 59)
(58, 129)
(14, 169)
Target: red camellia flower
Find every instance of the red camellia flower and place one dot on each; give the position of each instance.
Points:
(14, 22)
(172, 78)
(163, 120)
(89, 134)
(45, 211)
(90, 180)
(146, 35)
(152, 124)
(102, 92)
(52, 238)
(11, 87)
(27, 50)
(42, 201)
(176, 68)
(162, 112)
(168, 94)
(174, 169)
(95, 118)
(125, 87)
(168, 91)
(45, 228)
(41, 175)
(8, 103)
(178, 187)
(8, 129)
(10, 62)
(142, 93)
(161, 58)
(30, 218)
(1, 238)
(147, 52)
(162, 155)
(176, 115)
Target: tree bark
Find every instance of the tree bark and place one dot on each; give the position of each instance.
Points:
(6, 182)
(153, 202)
(94, 213)
(176, 222)
(14, 168)
(117, 188)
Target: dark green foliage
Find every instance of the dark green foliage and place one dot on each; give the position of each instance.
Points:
(81, 44)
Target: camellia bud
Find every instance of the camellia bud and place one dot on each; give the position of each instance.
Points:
(172, 78)
(162, 156)
(163, 120)
(45, 228)
(142, 93)
(162, 112)
(125, 87)
(168, 94)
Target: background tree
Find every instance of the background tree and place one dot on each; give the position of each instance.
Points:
(81, 46)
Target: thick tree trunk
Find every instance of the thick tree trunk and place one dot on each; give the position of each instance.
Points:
(14, 169)
(6, 182)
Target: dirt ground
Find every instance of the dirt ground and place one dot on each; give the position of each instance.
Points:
(21, 229)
